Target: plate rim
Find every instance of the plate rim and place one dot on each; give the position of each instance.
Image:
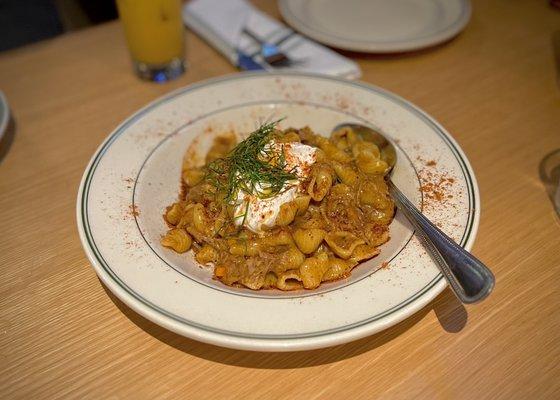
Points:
(415, 303)
(6, 115)
(376, 47)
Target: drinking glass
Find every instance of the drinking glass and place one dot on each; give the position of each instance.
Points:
(155, 36)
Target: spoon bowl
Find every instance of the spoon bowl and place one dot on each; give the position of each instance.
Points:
(388, 153)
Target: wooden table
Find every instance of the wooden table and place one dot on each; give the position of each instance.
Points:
(62, 335)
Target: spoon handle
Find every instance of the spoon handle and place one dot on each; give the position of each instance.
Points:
(469, 278)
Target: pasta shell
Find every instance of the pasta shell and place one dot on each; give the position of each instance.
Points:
(370, 165)
(308, 240)
(302, 203)
(270, 280)
(366, 147)
(286, 214)
(174, 213)
(289, 280)
(346, 174)
(277, 241)
(243, 247)
(321, 182)
(206, 254)
(364, 252)
(178, 240)
(343, 243)
(337, 268)
(312, 270)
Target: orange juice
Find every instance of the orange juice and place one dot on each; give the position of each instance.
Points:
(153, 30)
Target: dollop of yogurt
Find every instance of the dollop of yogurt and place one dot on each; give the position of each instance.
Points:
(259, 214)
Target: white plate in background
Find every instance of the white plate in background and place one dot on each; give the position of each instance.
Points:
(377, 26)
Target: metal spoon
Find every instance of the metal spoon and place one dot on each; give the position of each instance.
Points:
(469, 278)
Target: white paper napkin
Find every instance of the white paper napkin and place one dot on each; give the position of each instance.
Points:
(221, 23)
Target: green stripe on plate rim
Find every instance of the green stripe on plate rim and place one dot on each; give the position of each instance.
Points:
(171, 96)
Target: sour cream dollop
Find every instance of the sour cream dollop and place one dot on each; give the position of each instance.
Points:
(263, 213)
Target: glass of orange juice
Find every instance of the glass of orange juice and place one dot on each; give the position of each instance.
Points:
(155, 36)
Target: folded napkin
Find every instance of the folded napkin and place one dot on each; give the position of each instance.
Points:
(221, 23)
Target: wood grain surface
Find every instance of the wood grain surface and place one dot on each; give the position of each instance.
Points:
(62, 335)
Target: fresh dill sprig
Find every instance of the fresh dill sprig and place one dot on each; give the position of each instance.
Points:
(253, 167)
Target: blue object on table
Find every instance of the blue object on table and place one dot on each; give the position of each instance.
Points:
(269, 49)
(247, 63)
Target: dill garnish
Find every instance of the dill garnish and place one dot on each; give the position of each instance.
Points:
(253, 166)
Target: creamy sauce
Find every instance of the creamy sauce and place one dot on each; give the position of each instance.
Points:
(262, 213)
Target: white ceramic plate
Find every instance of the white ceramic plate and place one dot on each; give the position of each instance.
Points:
(377, 26)
(4, 114)
(135, 174)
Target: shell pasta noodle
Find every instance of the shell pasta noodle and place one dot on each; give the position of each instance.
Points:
(286, 209)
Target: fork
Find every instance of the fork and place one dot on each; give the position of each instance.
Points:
(270, 52)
